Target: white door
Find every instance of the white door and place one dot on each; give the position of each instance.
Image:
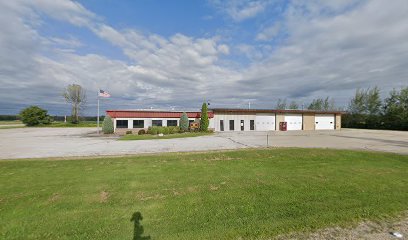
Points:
(294, 121)
(264, 123)
(324, 121)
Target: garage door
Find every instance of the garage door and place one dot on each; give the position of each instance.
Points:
(294, 121)
(265, 123)
(324, 121)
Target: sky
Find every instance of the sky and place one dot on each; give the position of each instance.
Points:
(177, 54)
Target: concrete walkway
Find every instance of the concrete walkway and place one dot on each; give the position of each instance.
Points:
(68, 142)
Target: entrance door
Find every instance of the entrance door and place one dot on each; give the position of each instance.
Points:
(242, 125)
(252, 125)
(231, 125)
(221, 125)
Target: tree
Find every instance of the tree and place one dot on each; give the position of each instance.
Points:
(34, 115)
(107, 125)
(204, 122)
(184, 122)
(316, 104)
(293, 105)
(76, 96)
(281, 104)
(320, 104)
(373, 101)
(396, 110)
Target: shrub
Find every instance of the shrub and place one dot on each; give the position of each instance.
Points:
(107, 125)
(34, 115)
(129, 132)
(184, 122)
(164, 130)
(141, 132)
(153, 130)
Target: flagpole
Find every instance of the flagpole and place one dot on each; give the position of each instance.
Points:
(97, 121)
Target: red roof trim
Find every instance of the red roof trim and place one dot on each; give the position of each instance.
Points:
(152, 114)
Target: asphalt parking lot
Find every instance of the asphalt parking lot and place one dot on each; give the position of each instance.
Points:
(69, 142)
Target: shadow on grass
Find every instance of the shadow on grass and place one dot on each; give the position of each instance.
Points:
(137, 227)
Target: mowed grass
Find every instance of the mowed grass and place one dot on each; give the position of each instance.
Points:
(168, 136)
(247, 194)
(69, 124)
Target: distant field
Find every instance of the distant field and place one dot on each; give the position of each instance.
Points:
(169, 136)
(19, 124)
(245, 194)
(10, 122)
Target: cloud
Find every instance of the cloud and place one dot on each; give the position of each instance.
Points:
(268, 33)
(240, 10)
(331, 48)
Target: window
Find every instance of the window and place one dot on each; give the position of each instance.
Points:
(171, 123)
(158, 123)
(252, 125)
(242, 125)
(121, 123)
(231, 125)
(221, 125)
(138, 123)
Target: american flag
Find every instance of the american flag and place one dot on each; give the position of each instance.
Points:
(103, 94)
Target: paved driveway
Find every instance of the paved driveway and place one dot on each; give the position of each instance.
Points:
(66, 142)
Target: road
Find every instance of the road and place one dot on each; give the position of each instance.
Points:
(69, 142)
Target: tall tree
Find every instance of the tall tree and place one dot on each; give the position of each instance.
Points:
(76, 96)
(204, 122)
(281, 104)
(293, 105)
(358, 104)
(373, 101)
(396, 110)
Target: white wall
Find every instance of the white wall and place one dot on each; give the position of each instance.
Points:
(237, 121)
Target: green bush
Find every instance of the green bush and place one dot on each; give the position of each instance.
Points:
(34, 115)
(141, 132)
(129, 132)
(164, 130)
(107, 125)
(184, 122)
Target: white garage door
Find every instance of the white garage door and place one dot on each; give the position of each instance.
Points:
(324, 121)
(264, 123)
(294, 121)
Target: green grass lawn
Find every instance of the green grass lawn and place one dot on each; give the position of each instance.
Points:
(247, 194)
(169, 136)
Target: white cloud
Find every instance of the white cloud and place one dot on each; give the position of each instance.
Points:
(240, 10)
(268, 33)
(331, 49)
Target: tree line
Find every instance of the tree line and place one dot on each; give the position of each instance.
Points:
(367, 110)
(317, 104)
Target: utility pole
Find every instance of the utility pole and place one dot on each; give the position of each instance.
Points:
(249, 105)
(97, 119)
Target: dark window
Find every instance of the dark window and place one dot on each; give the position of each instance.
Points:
(252, 125)
(171, 123)
(158, 123)
(221, 125)
(242, 125)
(231, 125)
(138, 123)
(190, 121)
(121, 123)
